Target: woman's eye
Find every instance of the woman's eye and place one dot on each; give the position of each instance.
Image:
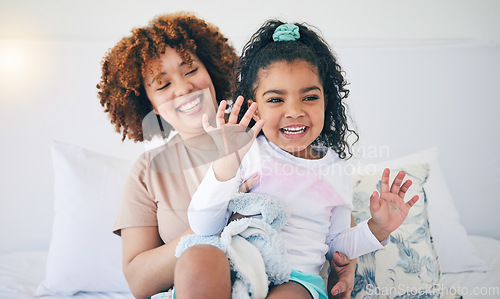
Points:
(274, 100)
(191, 71)
(164, 86)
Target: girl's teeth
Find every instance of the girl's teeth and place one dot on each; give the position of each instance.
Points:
(297, 130)
(189, 106)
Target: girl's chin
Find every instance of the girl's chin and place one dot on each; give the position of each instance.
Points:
(295, 150)
(305, 152)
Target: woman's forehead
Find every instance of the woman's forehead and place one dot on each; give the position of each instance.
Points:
(169, 61)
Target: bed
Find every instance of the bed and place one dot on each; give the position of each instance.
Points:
(22, 272)
(55, 234)
(83, 260)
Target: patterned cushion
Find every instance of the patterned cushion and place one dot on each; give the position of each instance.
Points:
(408, 267)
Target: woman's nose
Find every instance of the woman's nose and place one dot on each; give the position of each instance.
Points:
(182, 87)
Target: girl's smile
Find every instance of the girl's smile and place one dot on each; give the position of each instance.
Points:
(294, 131)
(290, 98)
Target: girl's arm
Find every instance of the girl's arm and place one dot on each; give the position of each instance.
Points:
(207, 212)
(388, 212)
(351, 241)
(148, 263)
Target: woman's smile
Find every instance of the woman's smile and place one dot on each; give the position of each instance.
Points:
(191, 105)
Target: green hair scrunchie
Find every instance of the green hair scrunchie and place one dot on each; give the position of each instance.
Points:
(286, 32)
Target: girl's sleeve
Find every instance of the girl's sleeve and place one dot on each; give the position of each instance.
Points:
(207, 212)
(355, 241)
(351, 241)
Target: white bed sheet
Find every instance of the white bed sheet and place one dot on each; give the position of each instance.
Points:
(21, 272)
(473, 285)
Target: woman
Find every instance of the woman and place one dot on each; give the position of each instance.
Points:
(164, 77)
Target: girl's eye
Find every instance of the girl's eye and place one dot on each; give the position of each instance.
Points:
(274, 100)
(311, 98)
(164, 86)
(191, 71)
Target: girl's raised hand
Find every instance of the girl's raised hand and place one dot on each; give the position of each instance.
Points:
(389, 209)
(232, 137)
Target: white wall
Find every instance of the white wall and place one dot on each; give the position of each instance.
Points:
(432, 66)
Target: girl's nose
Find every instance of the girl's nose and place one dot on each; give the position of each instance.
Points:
(182, 87)
(294, 110)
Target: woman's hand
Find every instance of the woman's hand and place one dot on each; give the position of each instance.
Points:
(245, 187)
(232, 138)
(341, 277)
(389, 210)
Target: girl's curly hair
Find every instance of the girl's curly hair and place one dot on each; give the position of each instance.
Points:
(261, 51)
(121, 89)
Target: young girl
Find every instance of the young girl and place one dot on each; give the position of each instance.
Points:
(292, 81)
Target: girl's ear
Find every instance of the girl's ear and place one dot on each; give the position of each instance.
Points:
(256, 115)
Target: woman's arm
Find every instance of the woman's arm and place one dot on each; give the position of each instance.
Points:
(148, 264)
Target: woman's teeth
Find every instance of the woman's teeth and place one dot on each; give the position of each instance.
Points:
(189, 106)
(294, 130)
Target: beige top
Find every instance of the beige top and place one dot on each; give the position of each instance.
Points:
(160, 186)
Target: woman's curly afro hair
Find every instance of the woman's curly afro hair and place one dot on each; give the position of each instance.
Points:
(121, 89)
(261, 52)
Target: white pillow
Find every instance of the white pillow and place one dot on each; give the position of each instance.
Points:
(455, 251)
(84, 254)
(409, 264)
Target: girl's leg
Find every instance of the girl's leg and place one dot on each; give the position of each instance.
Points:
(202, 271)
(289, 290)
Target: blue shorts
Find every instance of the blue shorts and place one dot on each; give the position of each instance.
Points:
(313, 283)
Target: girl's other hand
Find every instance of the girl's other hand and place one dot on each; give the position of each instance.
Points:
(389, 210)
